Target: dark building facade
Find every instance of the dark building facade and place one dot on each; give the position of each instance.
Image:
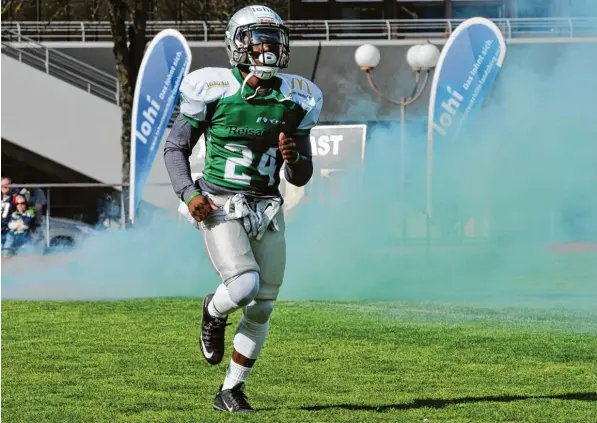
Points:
(397, 9)
(184, 10)
(438, 9)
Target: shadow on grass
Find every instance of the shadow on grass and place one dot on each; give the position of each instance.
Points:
(441, 403)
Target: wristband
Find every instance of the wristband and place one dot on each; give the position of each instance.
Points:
(193, 195)
(298, 157)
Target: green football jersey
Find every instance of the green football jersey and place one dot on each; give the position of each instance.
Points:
(243, 128)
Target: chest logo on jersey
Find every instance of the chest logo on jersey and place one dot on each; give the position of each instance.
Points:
(263, 119)
(217, 84)
(240, 130)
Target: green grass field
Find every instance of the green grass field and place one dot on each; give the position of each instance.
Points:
(139, 361)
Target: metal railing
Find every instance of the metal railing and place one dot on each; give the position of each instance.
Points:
(64, 67)
(60, 65)
(317, 29)
(67, 220)
(96, 207)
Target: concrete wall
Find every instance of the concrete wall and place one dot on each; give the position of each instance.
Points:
(68, 126)
(59, 121)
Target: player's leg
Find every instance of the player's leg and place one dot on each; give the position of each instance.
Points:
(252, 330)
(231, 255)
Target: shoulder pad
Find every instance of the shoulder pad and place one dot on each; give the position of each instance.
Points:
(307, 95)
(204, 86)
(302, 90)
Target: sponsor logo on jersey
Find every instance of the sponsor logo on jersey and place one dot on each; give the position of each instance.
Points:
(242, 130)
(300, 83)
(264, 119)
(308, 98)
(217, 84)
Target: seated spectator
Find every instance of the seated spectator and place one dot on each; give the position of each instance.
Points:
(36, 199)
(7, 206)
(19, 226)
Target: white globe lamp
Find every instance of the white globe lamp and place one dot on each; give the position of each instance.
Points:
(428, 56)
(412, 56)
(367, 57)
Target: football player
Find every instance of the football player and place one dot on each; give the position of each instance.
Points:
(255, 120)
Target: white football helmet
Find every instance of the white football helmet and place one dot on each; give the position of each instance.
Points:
(256, 38)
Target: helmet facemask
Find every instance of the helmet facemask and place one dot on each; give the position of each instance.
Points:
(263, 48)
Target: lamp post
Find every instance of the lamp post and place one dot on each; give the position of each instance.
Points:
(421, 58)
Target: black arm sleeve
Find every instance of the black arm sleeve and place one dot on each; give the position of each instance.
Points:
(177, 150)
(299, 173)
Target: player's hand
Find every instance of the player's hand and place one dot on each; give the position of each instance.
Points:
(288, 148)
(200, 207)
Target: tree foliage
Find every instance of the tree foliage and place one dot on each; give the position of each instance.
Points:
(159, 10)
(128, 20)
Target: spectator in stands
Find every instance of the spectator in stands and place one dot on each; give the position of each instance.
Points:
(19, 225)
(37, 200)
(7, 206)
(108, 212)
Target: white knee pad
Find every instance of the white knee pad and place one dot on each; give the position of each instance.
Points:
(243, 288)
(253, 328)
(259, 311)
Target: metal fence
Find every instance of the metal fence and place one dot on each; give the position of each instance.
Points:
(387, 29)
(71, 212)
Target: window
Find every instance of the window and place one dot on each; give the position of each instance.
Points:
(360, 12)
(420, 9)
(470, 9)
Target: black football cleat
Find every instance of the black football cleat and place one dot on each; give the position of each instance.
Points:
(233, 400)
(213, 331)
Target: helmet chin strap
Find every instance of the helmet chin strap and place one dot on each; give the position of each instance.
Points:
(242, 87)
(263, 72)
(255, 73)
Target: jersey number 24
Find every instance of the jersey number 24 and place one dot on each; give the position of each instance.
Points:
(234, 165)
